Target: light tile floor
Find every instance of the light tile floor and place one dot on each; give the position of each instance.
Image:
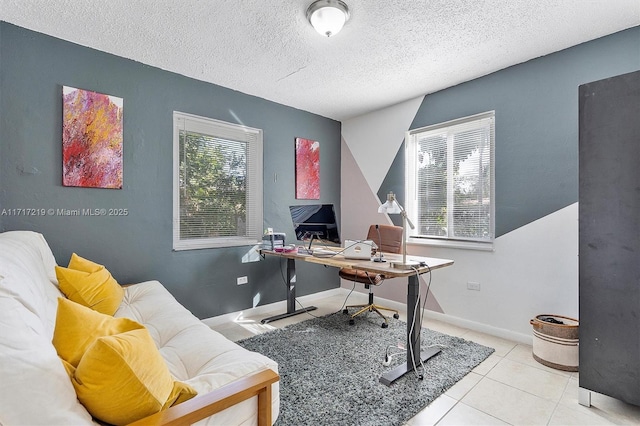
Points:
(509, 387)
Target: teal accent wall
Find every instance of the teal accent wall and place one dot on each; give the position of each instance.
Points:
(138, 247)
(536, 105)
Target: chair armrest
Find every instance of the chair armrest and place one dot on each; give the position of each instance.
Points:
(206, 405)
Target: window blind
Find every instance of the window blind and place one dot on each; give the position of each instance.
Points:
(217, 183)
(450, 179)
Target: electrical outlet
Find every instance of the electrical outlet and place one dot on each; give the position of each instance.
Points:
(473, 286)
(242, 280)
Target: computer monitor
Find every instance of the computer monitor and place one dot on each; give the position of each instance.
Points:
(315, 221)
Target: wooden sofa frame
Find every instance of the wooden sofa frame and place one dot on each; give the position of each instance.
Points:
(206, 405)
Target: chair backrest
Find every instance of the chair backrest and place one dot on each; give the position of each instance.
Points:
(389, 238)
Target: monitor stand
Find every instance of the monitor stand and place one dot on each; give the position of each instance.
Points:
(308, 250)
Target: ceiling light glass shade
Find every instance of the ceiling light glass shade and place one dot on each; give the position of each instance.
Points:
(328, 16)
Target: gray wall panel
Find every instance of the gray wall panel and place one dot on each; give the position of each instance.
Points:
(536, 122)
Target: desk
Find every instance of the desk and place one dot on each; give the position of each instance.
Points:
(338, 261)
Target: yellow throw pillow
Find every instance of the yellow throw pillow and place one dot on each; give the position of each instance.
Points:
(81, 264)
(181, 392)
(78, 327)
(123, 378)
(91, 285)
(114, 365)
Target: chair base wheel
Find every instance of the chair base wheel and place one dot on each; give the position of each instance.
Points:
(352, 322)
(396, 316)
(345, 311)
(385, 325)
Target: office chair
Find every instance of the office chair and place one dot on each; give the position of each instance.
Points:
(388, 238)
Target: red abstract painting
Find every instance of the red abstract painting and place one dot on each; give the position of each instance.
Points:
(307, 169)
(91, 139)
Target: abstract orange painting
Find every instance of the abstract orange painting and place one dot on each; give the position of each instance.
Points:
(307, 169)
(91, 139)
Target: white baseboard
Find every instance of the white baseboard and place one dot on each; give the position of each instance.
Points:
(307, 300)
(461, 322)
(482, 328)
(464, 323)
(270, 308)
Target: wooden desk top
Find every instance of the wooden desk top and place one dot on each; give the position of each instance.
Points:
(338, 261)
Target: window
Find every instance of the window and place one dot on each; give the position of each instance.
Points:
(450, 181)
(217, 183)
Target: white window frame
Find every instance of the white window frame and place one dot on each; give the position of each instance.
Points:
(229, 131)
(411, 196)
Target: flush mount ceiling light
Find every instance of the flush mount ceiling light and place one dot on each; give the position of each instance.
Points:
(328, 16)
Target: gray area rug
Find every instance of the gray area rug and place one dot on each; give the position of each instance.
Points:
(329, 370)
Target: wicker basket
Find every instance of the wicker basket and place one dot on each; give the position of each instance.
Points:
(555, 341)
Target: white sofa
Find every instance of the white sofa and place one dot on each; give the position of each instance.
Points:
(35, 388)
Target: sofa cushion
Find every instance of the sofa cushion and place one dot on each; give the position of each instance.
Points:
(34, 387)
(35, 241)
(194, 353)
(24, 259)
(90, 284)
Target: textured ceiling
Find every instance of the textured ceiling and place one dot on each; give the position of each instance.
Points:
(389, 51)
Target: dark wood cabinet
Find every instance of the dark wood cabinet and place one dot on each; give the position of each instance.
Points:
(609, 238)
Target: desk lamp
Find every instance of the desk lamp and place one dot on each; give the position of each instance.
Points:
(391, 206)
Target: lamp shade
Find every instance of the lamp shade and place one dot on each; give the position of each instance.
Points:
(328, 16)
(390, 206)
